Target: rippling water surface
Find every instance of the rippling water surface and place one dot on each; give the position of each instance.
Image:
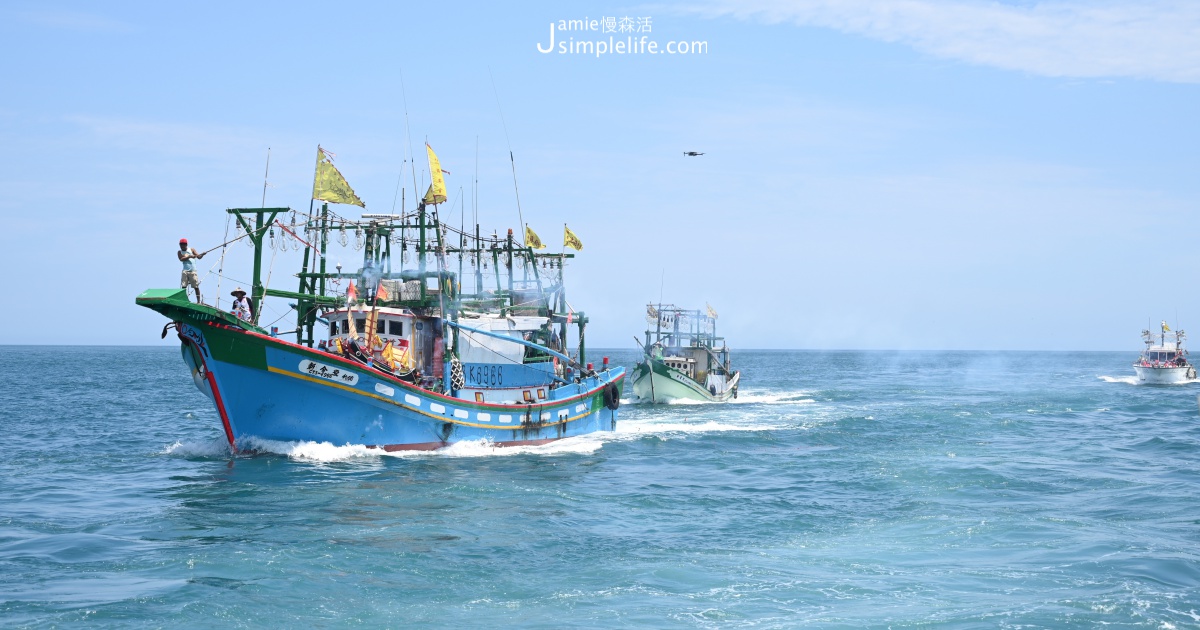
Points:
(842, 489)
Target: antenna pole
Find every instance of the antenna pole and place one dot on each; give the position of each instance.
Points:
(408, 138)
(511, 159)
(396, 195)
(265, 174)
(475, 189)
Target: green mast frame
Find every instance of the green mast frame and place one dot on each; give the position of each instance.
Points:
(533, 297)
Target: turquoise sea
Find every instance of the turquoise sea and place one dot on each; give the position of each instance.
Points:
(841, 490)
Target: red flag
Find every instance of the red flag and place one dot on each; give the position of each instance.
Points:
(351, 293)
(381, 293)
(569, 314)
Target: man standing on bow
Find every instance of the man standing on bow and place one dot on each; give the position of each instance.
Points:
(189, 279)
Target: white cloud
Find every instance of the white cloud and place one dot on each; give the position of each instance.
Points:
(1146, 40)
(76, 21)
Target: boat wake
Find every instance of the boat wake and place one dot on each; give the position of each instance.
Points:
(782, 398)
(580, 445)
(324, 452)
(216, 447)
(1133, 380)
(309, 451)
(651, 427)
(746, 398)
(627, 429)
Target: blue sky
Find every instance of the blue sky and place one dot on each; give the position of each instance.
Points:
(928, 174)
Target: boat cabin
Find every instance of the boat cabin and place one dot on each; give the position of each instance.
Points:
(412, 337)
(390, 324)
(1167, 354)
(687, 365)
(1161, 355)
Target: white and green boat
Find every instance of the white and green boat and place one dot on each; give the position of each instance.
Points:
(683, 358)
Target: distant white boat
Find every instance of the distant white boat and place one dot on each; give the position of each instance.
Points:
(1164, 363)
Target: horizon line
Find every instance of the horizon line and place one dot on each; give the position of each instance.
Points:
(618, 349)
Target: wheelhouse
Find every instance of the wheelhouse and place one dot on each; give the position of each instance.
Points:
(386, 324)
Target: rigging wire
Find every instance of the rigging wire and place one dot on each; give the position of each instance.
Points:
(270, 270)
(511, 159)
(286, 313)
(232, 279)
(221, 261)
(408, 140)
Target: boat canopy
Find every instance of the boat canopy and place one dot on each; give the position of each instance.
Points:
(476, 348)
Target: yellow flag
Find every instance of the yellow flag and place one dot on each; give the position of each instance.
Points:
(389, 355)
(437, 187)
(570, 240)
(371, 324)
(1165, 327)
(711, 312)
(406, 358)
(532, 240)
(329, 185)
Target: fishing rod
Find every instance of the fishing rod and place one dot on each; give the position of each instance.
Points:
(233, 240)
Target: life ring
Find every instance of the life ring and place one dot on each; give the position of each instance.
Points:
(612, 397)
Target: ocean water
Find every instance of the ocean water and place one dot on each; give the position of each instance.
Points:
(842, 489)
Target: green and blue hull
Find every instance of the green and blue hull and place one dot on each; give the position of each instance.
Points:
(269, 388)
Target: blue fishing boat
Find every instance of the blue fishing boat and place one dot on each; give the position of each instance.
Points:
(401, 358)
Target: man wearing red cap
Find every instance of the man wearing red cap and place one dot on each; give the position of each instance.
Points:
(189, 278)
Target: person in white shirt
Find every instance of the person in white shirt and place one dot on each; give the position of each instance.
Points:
(189, 278)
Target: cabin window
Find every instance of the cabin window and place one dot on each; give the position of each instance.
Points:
(396, 328)
(361, 322)
(380, 327)
(332, 329)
